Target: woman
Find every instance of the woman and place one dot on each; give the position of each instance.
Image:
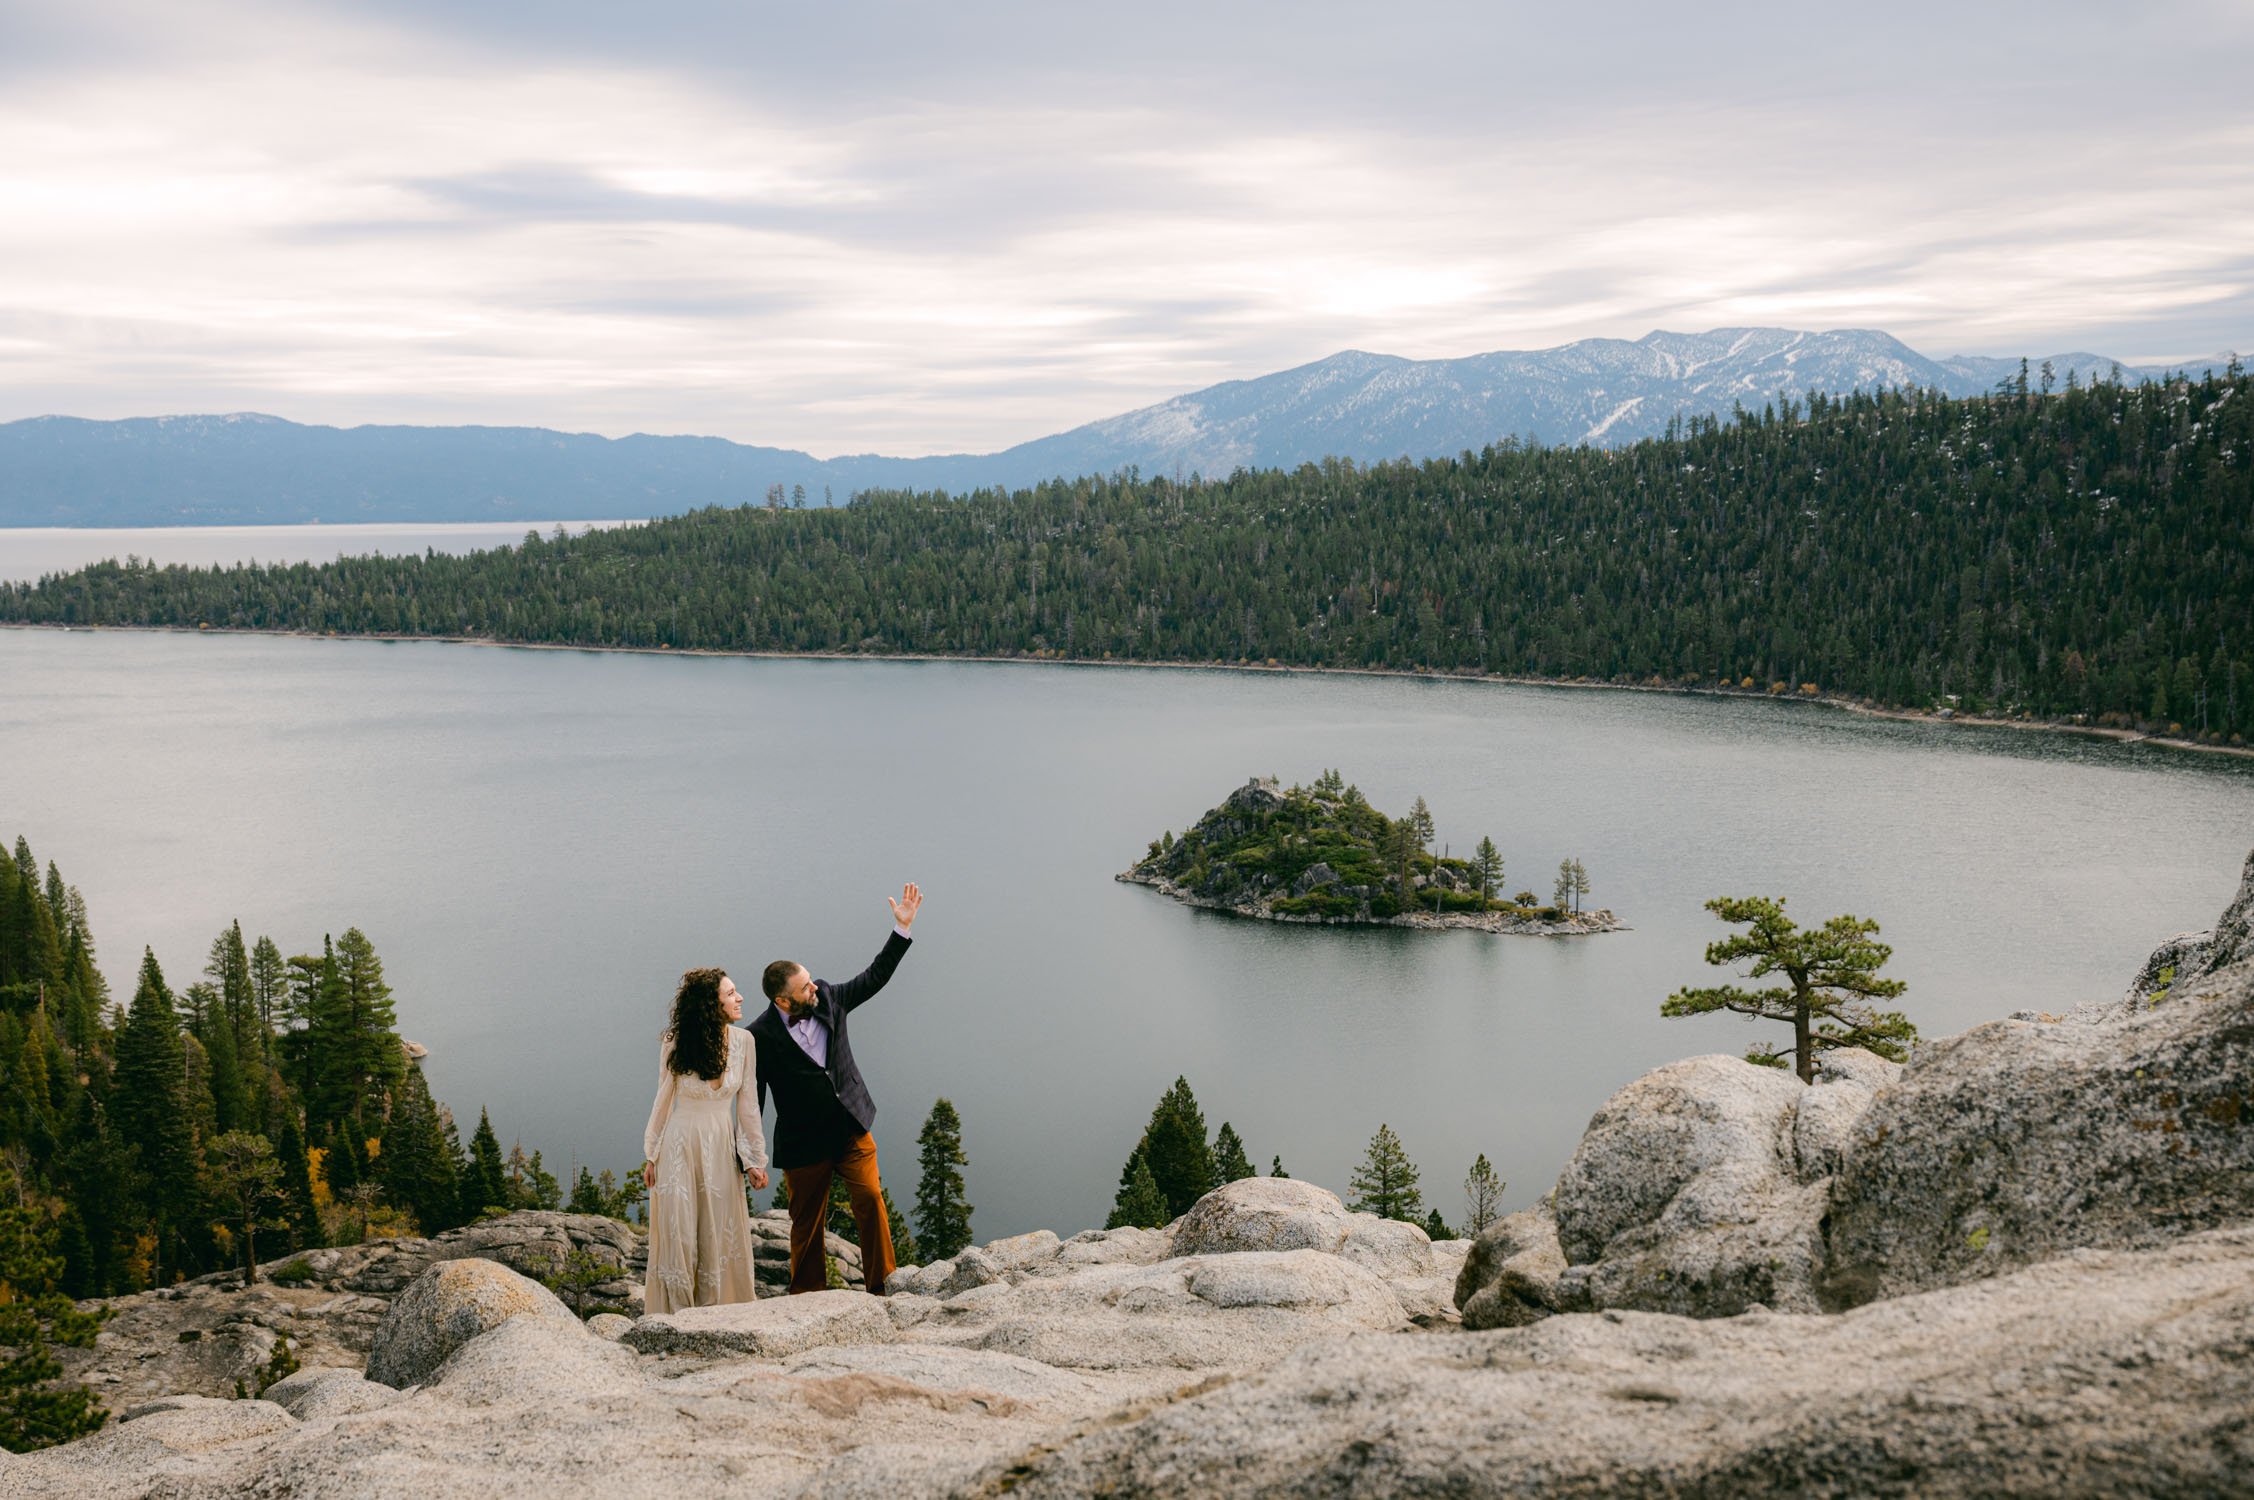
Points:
(703, 1144)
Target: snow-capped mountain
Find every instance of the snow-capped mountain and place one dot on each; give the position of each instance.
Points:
(1605, 391)
(62, 471)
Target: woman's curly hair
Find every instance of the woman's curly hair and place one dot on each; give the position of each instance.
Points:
(700, 1028)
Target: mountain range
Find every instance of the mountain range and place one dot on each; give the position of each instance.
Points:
(246, 468)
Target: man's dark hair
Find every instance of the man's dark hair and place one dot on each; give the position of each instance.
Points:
(776, 975)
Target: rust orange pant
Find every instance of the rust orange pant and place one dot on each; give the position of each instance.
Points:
(810, 1205)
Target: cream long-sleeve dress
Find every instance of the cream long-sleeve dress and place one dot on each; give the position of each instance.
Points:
(703, 1136)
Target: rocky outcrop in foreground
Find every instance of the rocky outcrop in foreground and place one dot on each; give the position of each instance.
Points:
(2021, 1265)
(1710, 1187)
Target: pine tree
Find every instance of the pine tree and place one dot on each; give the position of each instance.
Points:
(229, 968)
(1397, 846)
(1483, 1195)
(1385, 1183)
(152, 1107)
(98, 1173)
(342, 1161)
(244, 1182)
(297, 1185)
(942, 1213)
(1276, 1168)
(269, 985)
(905, 1249)
(301, 1042)
(1139, 1204)
(1487, 862)
(1175, 1147)
(530, 1185)
(586, 1198)
(1230, 1164)
(838, 1219)
(487, 1185)
(416, 1167)
(1831, 978)
(34, 1411)
(369, 1059)
(230, 1097)
(1422, 828)
(1436, 1228)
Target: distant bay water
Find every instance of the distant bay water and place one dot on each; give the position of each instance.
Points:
(29, 552)
(539, 841)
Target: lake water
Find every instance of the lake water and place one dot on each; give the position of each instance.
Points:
(28, 552)
(540, 841)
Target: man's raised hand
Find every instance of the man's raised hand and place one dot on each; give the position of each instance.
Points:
(904, 909)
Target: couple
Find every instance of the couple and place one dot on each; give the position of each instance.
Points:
(704, 1144)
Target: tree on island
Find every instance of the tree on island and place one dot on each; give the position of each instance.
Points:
(1487, 861)
(1421, 825)
(1230, 1164)
(1483, 1192)
(1397, 846)
(1572, 885)
(1830, 979)
(1385, 1183)
(1139, 1204)
(942, 1212)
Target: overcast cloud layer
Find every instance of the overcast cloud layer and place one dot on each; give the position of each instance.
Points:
(916, 228)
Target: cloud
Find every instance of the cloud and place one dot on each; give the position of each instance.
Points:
(908, 228)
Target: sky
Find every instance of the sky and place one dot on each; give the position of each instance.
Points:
(917, 228)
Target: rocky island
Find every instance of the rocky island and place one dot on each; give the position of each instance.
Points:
(2022, 1263)
(1322, 854)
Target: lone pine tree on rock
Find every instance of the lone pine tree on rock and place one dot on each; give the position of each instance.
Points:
(1830, 979)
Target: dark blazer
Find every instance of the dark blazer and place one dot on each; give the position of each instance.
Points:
(820, 1111)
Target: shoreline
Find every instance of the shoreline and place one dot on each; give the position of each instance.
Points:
(1593, 923)
(1498, 679)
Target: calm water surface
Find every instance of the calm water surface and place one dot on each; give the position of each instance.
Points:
(540, 841)
(28, 552)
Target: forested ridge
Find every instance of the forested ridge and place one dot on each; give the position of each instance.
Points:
(270, 1105)
(2079, 551)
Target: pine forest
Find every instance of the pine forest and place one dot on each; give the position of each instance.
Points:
(2077, 553)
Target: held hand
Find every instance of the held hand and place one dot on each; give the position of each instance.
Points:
(904, 909)
(756, 1176)
(649, 1174)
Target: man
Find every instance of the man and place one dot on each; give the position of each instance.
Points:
(822, 1108)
